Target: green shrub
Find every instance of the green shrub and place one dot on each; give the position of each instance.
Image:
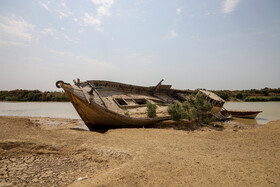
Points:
(151, 110)
(222, 94)
(262, 99)
(176, 111)
(256, 99)
(275, 90)
(265, 91)
(198, 108)
(274, 98)
(195, 108)
(246, 94)
(239, 95)
(195, 92)
(247, 99)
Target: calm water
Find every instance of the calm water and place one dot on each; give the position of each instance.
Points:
(271, 110)
(42, 109)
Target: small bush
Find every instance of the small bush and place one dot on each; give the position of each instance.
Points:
(265, 91)
(274, 98)
(151, 110)
(195, 108)
(222, 94)
(256, 99)
(199, 109)
(176, 111)
(239, 95)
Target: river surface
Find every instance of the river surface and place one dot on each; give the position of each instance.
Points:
(271, 110)
(41, 109)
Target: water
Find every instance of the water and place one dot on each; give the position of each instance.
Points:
(271, 110)
(41, 109)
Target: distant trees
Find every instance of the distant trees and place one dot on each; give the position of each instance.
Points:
(32, 95)
(254, 99)
(239, 95)
(223, 94)
(264, 94)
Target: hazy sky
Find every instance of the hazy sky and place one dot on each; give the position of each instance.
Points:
(212, 44)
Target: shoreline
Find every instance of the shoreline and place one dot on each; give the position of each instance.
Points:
(54, 151)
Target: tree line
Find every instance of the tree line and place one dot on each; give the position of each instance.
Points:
(32, 95)
(264, 94)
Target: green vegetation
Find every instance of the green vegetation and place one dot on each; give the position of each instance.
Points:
(195, 108)
(223, 94)
(264, 94)
(254, 99)
(274, 98)
(199, 109)
(32, 95)
(151, 110)
(239, 95)
(176, 111)
(126, 113)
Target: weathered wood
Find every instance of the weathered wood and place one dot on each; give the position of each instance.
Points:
(157, 86)
(112, 104)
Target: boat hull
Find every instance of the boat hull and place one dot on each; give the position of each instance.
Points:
(96, 116)
(107, 104)
(243, 114)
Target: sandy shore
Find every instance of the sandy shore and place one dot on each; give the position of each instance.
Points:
(54, 152)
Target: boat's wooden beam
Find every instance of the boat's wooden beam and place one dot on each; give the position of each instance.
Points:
(95, 90)
(157, 86)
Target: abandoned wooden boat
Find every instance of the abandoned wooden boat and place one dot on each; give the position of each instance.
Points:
(242, 114)
(111, 104)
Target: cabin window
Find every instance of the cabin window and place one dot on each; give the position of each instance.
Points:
(130, 101)
(140, 101)
(121, 101)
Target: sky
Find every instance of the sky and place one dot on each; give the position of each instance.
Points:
(211, 44)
